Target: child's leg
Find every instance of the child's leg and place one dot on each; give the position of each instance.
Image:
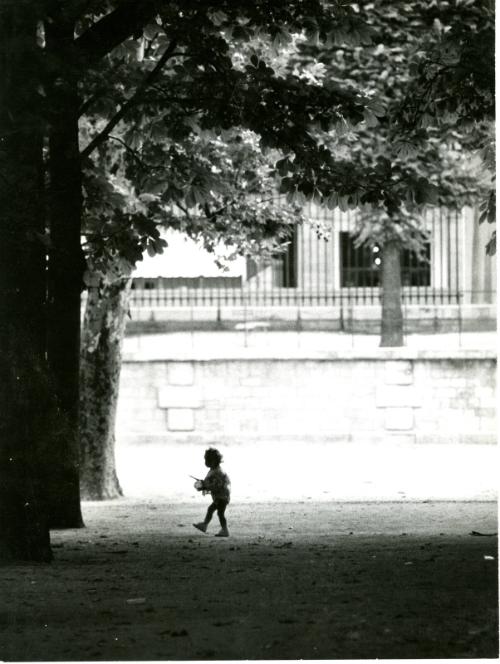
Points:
(210, 512)
(203, 524)
(221, 508)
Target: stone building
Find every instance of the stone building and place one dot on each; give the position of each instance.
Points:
(326, 280)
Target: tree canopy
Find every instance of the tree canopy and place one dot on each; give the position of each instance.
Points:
(331, 90)
(418, 158)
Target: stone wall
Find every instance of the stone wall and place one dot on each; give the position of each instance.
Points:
(385, 395)
(357, 318)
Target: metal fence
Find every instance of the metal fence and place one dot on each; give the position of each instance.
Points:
(332, 270)
(163, 295)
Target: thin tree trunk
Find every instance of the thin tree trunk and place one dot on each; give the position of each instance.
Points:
(392, 313)
(66, 267)
(24, 394)
(103, 330)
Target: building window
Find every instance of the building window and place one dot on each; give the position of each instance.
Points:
(144, 283)
(360, 266)
(285, 264)
(416, 270)
(283, 270)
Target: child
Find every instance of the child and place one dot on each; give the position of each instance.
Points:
(218, 485)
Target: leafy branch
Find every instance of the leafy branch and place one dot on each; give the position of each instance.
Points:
(153, 74)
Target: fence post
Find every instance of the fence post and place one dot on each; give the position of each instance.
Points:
(218, 322)
(299, 320)
(245, 331)
(405, 323)
(435, 320)
(191, 315)
(351, 321)
(459, 300)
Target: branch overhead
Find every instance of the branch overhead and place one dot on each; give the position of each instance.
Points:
(111, 30)
(100, 138)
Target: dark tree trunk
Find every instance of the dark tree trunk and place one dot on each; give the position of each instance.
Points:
(103, 329)
(392, 313)
(66, 267)
(24, 391)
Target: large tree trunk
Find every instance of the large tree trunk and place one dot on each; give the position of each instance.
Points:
(24, 393)
(66, 267)
(103, 330)
(392, 313)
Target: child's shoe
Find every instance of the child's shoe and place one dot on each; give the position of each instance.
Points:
(201, 526)
(223, 532)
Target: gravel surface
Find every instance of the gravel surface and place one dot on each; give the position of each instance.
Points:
(294, 580)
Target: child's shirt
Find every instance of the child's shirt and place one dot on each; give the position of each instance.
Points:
(218, 484)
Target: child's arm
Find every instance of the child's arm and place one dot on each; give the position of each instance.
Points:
(214, 481)
(201, 485)
(210, 482)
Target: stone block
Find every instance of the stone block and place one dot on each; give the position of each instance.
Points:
(399, 419)
(397, 396)
(180, 373)
(398, 372)
(180, 419)
(179, 397)
(485, 413)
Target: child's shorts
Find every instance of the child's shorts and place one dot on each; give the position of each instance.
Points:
(220, 503)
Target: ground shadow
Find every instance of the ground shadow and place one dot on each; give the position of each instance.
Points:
(329, 581)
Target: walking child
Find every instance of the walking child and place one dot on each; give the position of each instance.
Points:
(218, 485)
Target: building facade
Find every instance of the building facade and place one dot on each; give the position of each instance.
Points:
(323, 269)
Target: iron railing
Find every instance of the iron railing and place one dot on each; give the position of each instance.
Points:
(328, 271)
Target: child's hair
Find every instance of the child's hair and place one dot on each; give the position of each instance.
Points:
(213, 456)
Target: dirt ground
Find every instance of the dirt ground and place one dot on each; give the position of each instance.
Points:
(294, 580)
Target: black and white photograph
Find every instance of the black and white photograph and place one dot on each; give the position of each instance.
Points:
(248, 331)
